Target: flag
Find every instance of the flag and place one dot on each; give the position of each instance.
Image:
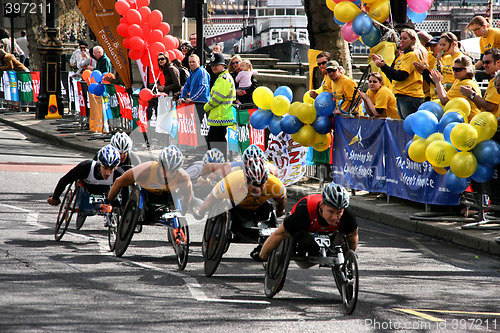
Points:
(6, 86)
(187, 128)
(25, 86)
(289, 157)
(35, 78)
(114, 105)
(96, 116)
(124, 101)
(14, 92)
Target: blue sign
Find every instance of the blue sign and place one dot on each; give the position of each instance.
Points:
(14, 93)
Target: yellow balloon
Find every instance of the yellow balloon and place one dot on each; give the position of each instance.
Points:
(416, 151)
(372, 1)
(380, 11)
(263, 97)
(463, 136)
(307, 98)
(346, 11)
(294, 137)
(280, 105)
(463, 164)
(441, 171)
(486, 125)
(322, 142)
(292, 111)
(331, 4)
(458, 103)
(440, 153)
(306, 135)
(433, 137)
(416, 137)
(306, 113)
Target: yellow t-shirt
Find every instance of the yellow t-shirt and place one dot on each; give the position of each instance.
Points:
(384, 99)
(234, 188)
(154, 182)
(412, 86)
(447, 67)
(430, 88)
(490, 41)
(455, 92)
(343, 89)
(491, 95)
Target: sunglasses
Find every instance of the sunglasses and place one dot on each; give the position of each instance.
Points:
(322, 63)
(487, 62)
(161, 59)
(331, 70)
(255, 183)
(457, 69)
(83, 48)
(184, 48)
(236, 62)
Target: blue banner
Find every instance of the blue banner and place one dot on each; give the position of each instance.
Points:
(368, 155)
(14, 93)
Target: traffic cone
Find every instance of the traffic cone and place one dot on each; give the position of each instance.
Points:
(53, 111)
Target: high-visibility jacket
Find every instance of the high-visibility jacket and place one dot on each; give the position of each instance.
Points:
(222, 96)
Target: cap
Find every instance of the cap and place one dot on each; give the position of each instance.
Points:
(332, 64)
(217, 59)
(434, 40)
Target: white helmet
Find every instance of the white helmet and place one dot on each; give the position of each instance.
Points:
(335, 196)
(256, 171)
(251, 152)
(109, 156)
(171, 158)
(122, 142)
(214, 155)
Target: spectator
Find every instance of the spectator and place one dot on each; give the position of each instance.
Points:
(186, 50)
(10, 63)
(170, 81)
(234, 66)
(489, 37)
(85, 62)
(219, 107)
(197, 87)
(76, 57)
(103, 62)
(183, 71)
(491, 99)
(341, 86)
(23, 44)
(245, 82)
(406, 80)
(7, 43)
(216, 48)
(379, 100)
(464, 71)
(450, 47)
(322, 58)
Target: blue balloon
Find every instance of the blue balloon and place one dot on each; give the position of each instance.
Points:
(284, 91)
(424, 123)
(483, 173)
(362, 24)
(447, 131)
(415, 17)
(260, 119)
(432, 107)
(405, 151)
(324, 104)
(487, 153)
(372, 38)
(407, 125)
(357, 2)
(449, 117)
(96, 75)
(91, 88)
(99, 90)
(322, 125)
(290, 124)
(455, 184)
(274, 125)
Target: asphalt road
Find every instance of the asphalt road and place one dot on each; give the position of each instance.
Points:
(407, 282)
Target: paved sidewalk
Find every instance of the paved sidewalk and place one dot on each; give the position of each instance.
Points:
(396, 212)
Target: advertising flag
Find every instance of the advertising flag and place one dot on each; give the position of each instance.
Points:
(25, 86)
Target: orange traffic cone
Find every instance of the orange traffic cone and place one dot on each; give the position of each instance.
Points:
(53, 111)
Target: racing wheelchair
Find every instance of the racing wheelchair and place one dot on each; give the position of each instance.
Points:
(76, 199)
(139, 212)
(308, 249)
(234, 225)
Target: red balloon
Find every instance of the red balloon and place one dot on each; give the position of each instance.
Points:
(135, 54)
(126, 42)
(145, 11)
(124, 20)
(164, 27)
(178, 54)
(155, 48)
(122, 29)
(134, 17)
(146, 94)
(155, 18)
(132, 4)
(135, 30)
(169, 42)
(146, 28)
(155, 36)
(122, 7)
(137, 43)
(142, 3)
(171, 55)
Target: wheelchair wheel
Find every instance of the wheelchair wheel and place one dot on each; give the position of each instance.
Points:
(80, 220)
(114, 221)
(127, 224)
(180, 242)
(277, 266)
(66, 211)
(214, 241)
(350, 284)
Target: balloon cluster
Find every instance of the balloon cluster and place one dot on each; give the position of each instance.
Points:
(308, 123)
(454, 147)
(145, 33)
(95, 80)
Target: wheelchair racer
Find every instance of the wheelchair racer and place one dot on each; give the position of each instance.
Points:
(159, 179)
(122, 142)
(97, 177)
(326, 212)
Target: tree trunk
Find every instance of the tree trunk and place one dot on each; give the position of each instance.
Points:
(325, 34)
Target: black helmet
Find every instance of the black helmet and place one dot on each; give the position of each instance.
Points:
(335, 196)
(217, 59)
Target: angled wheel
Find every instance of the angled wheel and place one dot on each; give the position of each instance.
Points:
(277, 266)
(80, 220)
(114, 221)
(350, 283)
(180, 242)
(127, 224)
(214, 241)
(66, 211)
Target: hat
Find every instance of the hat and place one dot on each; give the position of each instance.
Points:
(217, 59)
(332, 64)
(434, 40)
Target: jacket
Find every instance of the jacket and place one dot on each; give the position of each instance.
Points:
(197, 86)
(222, 96)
